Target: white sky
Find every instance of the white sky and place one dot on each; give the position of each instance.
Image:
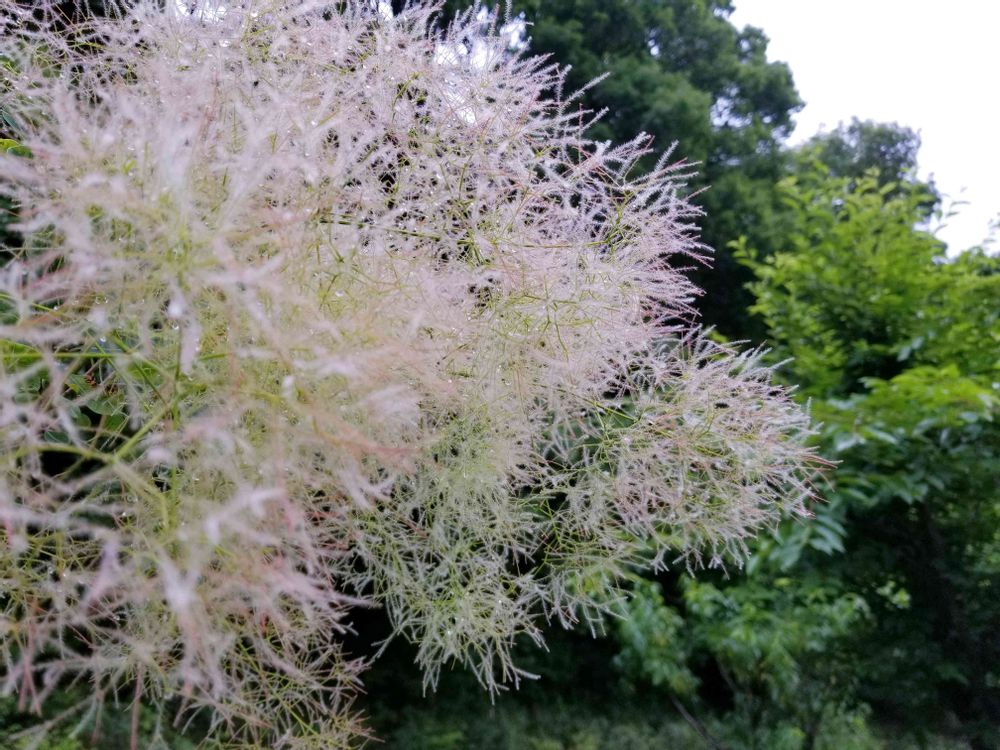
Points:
(930, 65)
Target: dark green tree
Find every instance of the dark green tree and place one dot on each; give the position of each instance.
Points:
(854, 149)
(887, 150)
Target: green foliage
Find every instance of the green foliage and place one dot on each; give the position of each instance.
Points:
(10, 146)
(872, 625)
(853, 150)
(654, 645)
(899, 347)
(769, 639)
(840, 296)
(578, 702)
(556, 725)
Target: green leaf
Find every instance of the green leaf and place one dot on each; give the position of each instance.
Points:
(13, 148)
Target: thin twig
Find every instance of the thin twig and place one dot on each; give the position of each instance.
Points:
(700, 728)
(136, 706)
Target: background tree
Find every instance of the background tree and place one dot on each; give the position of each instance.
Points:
(898, 346)
(888, 151)
(854, 149)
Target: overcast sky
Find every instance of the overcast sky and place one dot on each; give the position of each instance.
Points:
(927, 64)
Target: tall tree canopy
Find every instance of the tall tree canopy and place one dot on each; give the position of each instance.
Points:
(852, 150)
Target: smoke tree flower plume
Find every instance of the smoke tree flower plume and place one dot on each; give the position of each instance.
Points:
(303, 317)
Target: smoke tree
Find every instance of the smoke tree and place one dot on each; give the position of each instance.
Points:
(307, 308)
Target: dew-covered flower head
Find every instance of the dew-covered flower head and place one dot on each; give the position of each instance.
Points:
(307, 307)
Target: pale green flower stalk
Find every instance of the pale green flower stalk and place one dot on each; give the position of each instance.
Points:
(314, 311)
